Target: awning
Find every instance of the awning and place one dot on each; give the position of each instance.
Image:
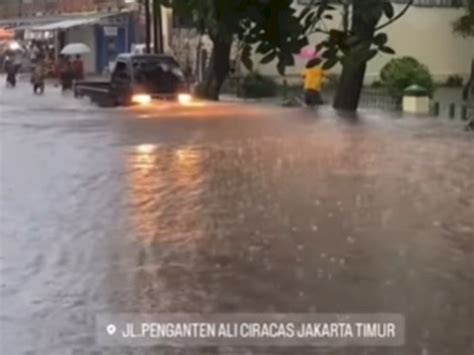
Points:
(65, 24)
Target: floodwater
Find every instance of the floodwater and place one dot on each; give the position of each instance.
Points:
(223, 208)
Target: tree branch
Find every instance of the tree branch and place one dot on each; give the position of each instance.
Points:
(318, 30)
(395, 18)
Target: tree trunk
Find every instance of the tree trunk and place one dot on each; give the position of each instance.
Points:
(353, 72)
(468, 90)
(350, 87)
(219, 66)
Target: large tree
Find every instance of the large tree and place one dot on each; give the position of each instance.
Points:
(464, 26)
(354, 42)
(271, 28)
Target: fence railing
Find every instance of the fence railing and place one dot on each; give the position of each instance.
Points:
(424, 3)
(379, 99)
(434, 3)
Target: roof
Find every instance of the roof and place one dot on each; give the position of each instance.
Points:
(48, 23)
(163, 58)
(65, 24)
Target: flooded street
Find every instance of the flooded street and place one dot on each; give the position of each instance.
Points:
(223, 208)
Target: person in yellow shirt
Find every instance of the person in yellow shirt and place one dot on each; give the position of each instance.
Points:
(313, 76)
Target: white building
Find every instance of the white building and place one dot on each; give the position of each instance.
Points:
(424, 32)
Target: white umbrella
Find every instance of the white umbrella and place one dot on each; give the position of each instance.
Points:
(75, 48)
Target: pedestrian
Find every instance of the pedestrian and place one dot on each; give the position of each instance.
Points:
(66, 74)
(78, 67)
(313, 76)
(38, 76)
(11, 69)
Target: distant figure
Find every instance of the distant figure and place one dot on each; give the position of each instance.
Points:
(468, 96)
(66, 73)
(78, 67)
(38, 76)
(468, 90)
(11, 69)
(313, 76)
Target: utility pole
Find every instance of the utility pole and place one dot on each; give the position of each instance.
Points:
(20, 8)
(160, 30)
(147, 26)
(155, 7)
(157, 28)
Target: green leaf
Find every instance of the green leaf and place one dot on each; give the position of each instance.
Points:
(369, 55)
(337, 37)
(329, 53)
(296, 45)
(322, 44)
(323, 5)
(281, 67)
(328, 64)
(303, 13)
(388, 9)
(263, 47)
(380, 39)
(309, 21)
(387, 50)
(269, 57)
(246, 57)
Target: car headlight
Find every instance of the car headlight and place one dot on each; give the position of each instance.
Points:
(141, 99)
(184, 99)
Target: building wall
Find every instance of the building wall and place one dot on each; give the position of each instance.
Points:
(86, 35)
(424, 33)
(28, 8)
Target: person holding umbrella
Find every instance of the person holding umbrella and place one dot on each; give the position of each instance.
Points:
(65, 73)
(78, 67)
(75, 70)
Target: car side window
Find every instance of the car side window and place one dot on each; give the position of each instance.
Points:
(120, 71)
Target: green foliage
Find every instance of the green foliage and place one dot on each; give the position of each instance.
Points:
(376, 84)
(255, 85)
(465, 24)
(358, 44)
(400, 73)
(454, 81)
(271, 28)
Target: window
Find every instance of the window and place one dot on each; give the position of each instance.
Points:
(157, 74)
(120, 70)
(425, 3)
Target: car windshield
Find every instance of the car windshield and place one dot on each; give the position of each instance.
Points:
(157, 74)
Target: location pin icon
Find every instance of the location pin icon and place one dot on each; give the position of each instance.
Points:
(111, 329)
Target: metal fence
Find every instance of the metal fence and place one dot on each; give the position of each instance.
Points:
(379, 99)
(434, 3)
(424, 3)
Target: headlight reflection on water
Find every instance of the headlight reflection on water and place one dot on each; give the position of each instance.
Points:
(145, 148)
(141, 99)
(185, 99)
(155, 170)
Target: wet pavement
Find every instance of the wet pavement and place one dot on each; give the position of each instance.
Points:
(230, 208)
